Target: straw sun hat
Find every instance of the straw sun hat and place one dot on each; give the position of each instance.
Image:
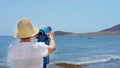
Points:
(25, 29)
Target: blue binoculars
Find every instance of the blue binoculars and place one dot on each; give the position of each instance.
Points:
(42, 37)
(44, 31)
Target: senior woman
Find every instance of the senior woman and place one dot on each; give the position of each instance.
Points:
(26, 53)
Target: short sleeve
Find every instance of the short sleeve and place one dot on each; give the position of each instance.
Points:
(41, 48)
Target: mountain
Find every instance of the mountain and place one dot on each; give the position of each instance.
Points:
(58, 33)
(115, 28)
(112, 31)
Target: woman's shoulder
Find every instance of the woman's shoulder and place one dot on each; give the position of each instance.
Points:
(39, 44)
(13, 44)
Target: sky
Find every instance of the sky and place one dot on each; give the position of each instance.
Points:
(78, 16)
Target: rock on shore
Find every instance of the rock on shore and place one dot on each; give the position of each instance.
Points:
(66, 65)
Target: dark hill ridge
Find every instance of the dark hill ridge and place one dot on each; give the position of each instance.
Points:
(115, 28)
(113, 31)
(57, 33)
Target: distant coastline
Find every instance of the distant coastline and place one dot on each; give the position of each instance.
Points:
(91, 34)
(100, 34)
(113, 31)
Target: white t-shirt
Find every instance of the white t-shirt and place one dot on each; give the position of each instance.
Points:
(27, 54)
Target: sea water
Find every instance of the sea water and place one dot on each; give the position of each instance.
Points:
(92, 51)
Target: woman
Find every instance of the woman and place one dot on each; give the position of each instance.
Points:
(28, 54)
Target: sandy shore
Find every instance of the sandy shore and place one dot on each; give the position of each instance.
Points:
(65, 65)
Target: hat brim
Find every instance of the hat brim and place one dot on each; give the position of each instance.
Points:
(35, 31)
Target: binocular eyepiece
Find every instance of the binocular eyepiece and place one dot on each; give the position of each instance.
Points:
(44, 31)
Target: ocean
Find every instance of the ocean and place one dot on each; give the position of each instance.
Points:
(91, 51)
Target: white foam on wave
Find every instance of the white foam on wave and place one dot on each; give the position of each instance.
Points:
(98, 58)
(93, 59)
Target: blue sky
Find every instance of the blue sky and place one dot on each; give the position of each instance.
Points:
(77, 16)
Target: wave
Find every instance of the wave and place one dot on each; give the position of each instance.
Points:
(92, 59)
(98, 58)
(4, 64)
(78, 61)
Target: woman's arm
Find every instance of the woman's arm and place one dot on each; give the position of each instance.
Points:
(52, 45)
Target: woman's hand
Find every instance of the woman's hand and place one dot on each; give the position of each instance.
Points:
(51, 35)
